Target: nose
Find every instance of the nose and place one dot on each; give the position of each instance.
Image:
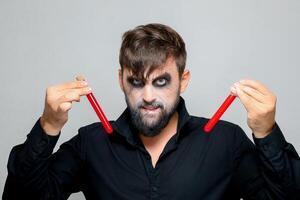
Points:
(148, 94)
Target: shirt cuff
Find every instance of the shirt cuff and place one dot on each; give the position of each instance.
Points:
(41, 144)
(272, 143)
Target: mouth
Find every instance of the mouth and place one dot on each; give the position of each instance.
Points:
(150, 109)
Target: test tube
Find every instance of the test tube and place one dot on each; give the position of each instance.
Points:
(96, 106)
(215, 118)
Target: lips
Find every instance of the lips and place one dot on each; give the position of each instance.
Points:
(150, 108)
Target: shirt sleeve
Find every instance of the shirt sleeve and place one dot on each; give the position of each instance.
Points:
(267, 170)
(280, 159)
(36, 173)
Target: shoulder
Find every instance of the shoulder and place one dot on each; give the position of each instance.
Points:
(223, 130)
(221, 126)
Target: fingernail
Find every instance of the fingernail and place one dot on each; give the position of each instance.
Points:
(237, 87)
(88, 89)
(233, 90)
(84, 83)
(242, 81)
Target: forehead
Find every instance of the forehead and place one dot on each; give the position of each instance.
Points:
(168, 67)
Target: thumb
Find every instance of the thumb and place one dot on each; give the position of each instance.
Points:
(245, 99)
(64, 107)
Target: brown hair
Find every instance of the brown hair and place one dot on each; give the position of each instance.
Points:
(150, 46)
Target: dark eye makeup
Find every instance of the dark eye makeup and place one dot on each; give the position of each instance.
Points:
(160, 81)
(135, 82)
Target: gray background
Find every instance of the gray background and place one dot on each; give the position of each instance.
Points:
(49, 42)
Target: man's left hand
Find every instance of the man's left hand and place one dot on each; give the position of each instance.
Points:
(260, 104)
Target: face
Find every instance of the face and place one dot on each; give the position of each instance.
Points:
(152, 102)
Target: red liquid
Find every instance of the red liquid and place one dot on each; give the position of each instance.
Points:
(215, 118)
(107, 126)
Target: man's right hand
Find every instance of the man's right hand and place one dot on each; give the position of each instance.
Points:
(58, 102)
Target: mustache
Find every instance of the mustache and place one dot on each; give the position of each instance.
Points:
(152, 104)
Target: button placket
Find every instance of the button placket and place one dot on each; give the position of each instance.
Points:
(152, 175)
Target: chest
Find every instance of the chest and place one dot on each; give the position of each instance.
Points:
(187, 171)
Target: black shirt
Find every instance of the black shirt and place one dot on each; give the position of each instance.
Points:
(223, 164)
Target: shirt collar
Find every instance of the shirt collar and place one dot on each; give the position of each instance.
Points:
(124, 127)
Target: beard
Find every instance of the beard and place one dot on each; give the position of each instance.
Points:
(151, 129)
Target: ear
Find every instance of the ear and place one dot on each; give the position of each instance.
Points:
(121, 79)
(185, 78)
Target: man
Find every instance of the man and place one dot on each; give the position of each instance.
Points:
(157, 150)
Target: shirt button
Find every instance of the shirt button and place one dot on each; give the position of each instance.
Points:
(154, 189)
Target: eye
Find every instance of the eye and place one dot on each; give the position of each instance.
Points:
(160, 82)
(135, 82)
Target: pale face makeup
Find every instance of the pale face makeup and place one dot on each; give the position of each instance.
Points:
(152, 101)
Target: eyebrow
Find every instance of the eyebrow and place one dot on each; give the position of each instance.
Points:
(165, 75)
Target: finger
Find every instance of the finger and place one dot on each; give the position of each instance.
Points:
(253, 93)
(80, 77)
(64, 107)
(233, 91)
(71, 85)
(74, 95)
(83, 91)
(245, 98)
(256, 85)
